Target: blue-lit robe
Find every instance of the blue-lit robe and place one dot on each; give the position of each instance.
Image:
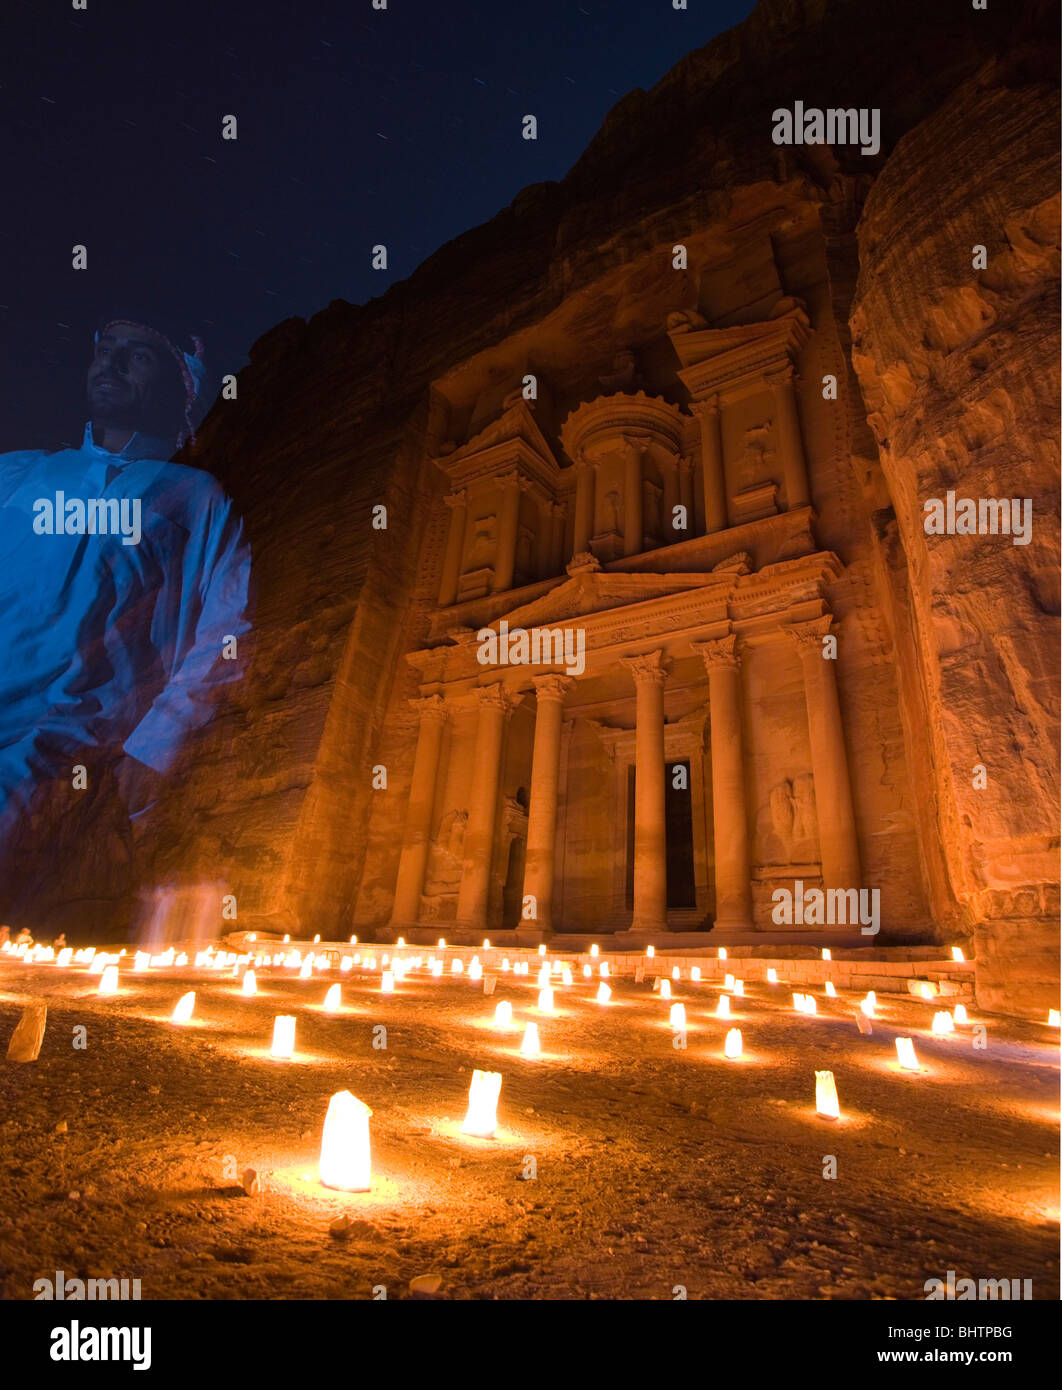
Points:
(107, 645)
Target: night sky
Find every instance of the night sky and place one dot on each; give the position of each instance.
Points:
(355, 126)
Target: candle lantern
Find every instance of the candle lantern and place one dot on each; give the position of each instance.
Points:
(185, 1007)
(959, 1014)
(695, 973)
(545, 1000)
(109, 980)
(772, 975)
(665, 989)
(677, 1016)
(283, 1036)
(826, 1095)
(906, 1054)
(604, 994)
(831, 993)
(503, 1014)
(250, 982)
(943, 1024)
(346, 1159)
(387, 982)
(530, 1046)
(732, 1046)
(594, 949)
(722, 953)
(722, 1009)
(332, 999)
(482, 1117)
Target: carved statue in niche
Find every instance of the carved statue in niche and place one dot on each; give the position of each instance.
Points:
(482, 550)
(444, 867)
(757, 456)
(791, 837)
(613, 511)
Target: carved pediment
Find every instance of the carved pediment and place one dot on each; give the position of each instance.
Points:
(589, 592)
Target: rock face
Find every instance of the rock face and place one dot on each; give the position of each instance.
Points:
(959, 370)
(945, 380)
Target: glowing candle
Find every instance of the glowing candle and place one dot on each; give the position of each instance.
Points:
(826, 1095)
(458, 966)
(386, 958)
(250, 983)
(503, 1014)
(387, 982)
(772, 975)
(594, 949)
(182, 960)
(722, 953)
(475, 970)
(283, 1036)
(826, 953)
(665, 989)
(732, 1046)
(1054, 1020)
(872, 999)
(346, 1159)
(505, 963)
(529, 1047)
(482, 1117)
(566, 976)
(959, 1014)
(486, 944)
(926, 990)
(346, 964)
(943, 1023)
(798, 1003)
(695, 973)
(604, 994)
(831, 993)
(141, 962)
(677, 1016)
(587, 972)
(676, 973)
(739, 987)
(543, 977)
(109, 980)
(541, 950)
(353, 940)
(810, 1004)
(604, 970)
(184, 1007)
(317, 938)
(436, 968)
(867, 1006)
(401, 942)
(557, 967)
(545, 1000)
(956, 953)
(332, 1000)
(722, 1009)
(65, 956)
(650, 951)
(441, 943)
(906, 1054)
(306, 968)
(728, 982)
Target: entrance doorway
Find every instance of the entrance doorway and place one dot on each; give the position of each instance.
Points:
(678, 831)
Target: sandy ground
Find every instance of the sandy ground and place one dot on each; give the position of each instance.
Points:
(657, 1167)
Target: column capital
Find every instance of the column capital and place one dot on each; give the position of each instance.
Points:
(456, 499)
(636, 443)
(584, 463)
(711, 405)
(720, 654)
(648, 669)
(508, 480)
(552, 687)
(497, 697)
(807, 637)
(781, 376)
(429, 708)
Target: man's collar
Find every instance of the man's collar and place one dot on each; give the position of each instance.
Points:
(140, 446)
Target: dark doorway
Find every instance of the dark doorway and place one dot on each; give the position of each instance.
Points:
(678, 817)
(678, 830)
(513, 890)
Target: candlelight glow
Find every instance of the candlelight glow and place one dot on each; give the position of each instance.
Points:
(566, 975)
(926, 990)
(587, 972)
(739, 987)
(665, 989)
(475, 970)
(401, 942)
(695, 973)
(458, 966)
(541, 950)
(831, 993)
(332, 999)
(728, 982)
(346, 964)
(826, 953)
(441, 943)
(943, 1023)
(798, 1003)
(141, 961)
(676, 973)
(65, 956)
(306, 968)
(184, 1007)
(109, 980)
(283, 1036)
(1053, 1018)
(503, 1014)
(505, 963)
(594, 949)
(317, 938)
(772, 975)
(387, 982)
(722, 1009)
(543, 977)
(353, 941)
(906, 1054)
(867, 1006)
(957, 953)
(346, 1160)
(250, 983)
(436, 968)
(529, 1047)
(482, 1117)
(722, 953)
(959, 1014)
(545, 1000)
(604, 994)
(826, 1095)
(677, 1016)
(650, 951)
(604, 972)
(486, 944)
(732, 1046)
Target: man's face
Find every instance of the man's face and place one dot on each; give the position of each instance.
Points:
(130, 380)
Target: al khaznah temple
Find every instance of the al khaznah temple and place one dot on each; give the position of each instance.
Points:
(590, 558)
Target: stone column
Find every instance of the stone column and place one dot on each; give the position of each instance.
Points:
(650, 841)
(838, 844)
(584, 505)
(505, 554)
(733, 888)
(633, 497)
(685, 478)
(455, 548)
(540, 869)
(671, 500)
(791, 441)
(416, 839)
(713, 465)
(473, 898)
